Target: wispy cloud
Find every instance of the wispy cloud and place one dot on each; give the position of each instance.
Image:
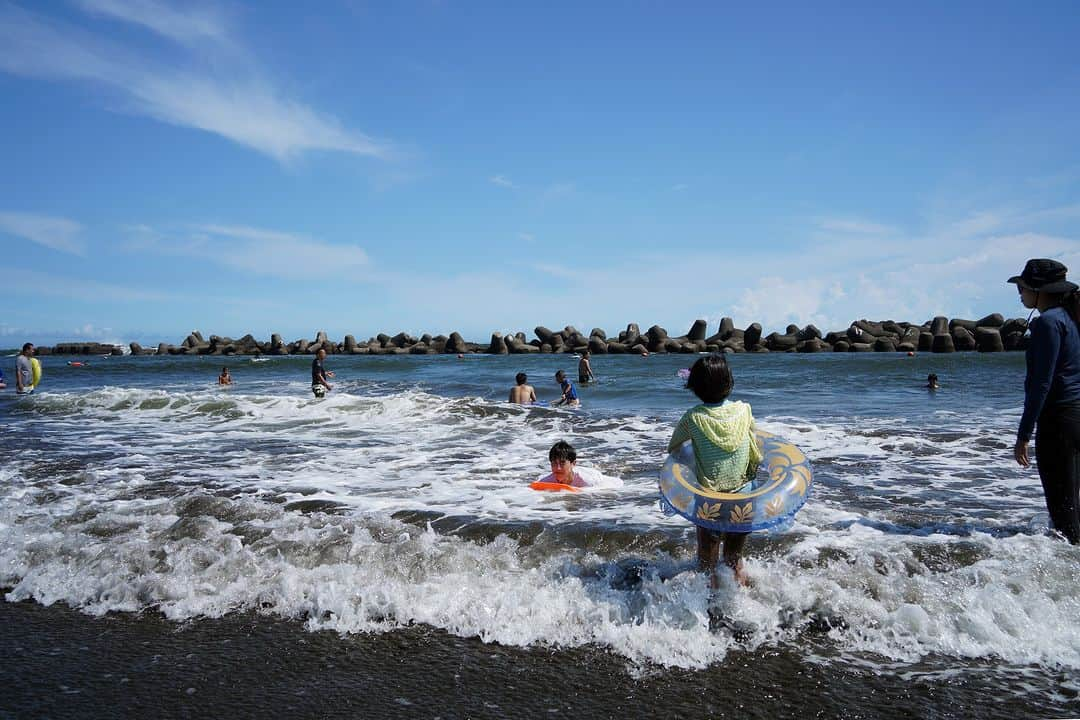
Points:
(502, 181)
(227, 98)
(73, 288)
(556, 271)
(52, 232)
(854, 226)
(681, 187)
(190, 25)
(559, 190)
(254, 250)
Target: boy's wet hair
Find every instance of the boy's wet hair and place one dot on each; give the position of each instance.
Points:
(562, 450)
(559, 374)
(711, 379)
(520, 378)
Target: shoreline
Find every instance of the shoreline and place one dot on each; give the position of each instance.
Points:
(62, 663)
(992, 333)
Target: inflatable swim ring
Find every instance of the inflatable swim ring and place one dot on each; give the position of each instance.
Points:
(771, 503)
(35, 372)
(553, 487)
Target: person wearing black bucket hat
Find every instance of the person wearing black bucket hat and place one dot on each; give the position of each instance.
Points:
(1052, 390)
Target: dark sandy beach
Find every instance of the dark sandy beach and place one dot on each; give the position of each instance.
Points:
(62, 664)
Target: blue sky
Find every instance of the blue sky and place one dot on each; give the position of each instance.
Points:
(440, 166)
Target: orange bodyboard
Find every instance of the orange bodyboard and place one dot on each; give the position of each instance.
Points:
(553, 487)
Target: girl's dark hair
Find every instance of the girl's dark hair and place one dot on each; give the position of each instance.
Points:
(521, 378)
(710, 379)
(562, 450)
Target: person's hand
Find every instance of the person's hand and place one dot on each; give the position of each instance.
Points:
(329, 373)
(1020, 452)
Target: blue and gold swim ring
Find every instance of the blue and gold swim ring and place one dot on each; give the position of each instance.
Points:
(770, 504)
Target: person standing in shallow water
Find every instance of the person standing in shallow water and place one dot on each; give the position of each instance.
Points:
(584, 368)
(726, 455)
(320, 384)
(24, 370)
(1052, 391)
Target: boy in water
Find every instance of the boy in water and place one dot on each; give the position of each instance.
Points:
(521, 393)
(224, 378)
(726, 454)
(24, 370)
(569, 394)
(320, 375)
(584, 368)
(563, 457)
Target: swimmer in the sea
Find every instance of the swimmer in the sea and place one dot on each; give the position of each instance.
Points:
(584, 368)
(522, 394)
(569, 394)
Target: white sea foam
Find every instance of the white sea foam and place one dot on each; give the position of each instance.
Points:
(184, 502)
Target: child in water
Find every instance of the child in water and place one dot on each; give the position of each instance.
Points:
(224, 378)
(584, 368)
(569, 394)
(522, 393)
(931, 382)
(726, 454)
(563, 458)
(564, 469)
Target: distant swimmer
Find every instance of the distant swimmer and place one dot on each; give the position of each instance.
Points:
(320, 375)
(2, 383)
(569, 394)
(224, 378)
(24, 370)
(931, 382)
(521, 393)
(584, 368)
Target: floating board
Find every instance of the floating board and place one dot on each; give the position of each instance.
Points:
(553, 487)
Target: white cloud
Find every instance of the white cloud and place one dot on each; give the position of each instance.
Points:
(190, 25)
(227, 98)
(254, 250)
(547, 270)
(73, 288)
(559, 190)
(52, 232)
(502, 181)
(854, 226)
(776, 302)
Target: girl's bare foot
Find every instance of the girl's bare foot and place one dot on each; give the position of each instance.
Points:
(740, 574)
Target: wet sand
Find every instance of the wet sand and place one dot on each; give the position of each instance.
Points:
(61, 663)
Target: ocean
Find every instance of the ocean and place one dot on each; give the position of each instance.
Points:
(170, 548)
